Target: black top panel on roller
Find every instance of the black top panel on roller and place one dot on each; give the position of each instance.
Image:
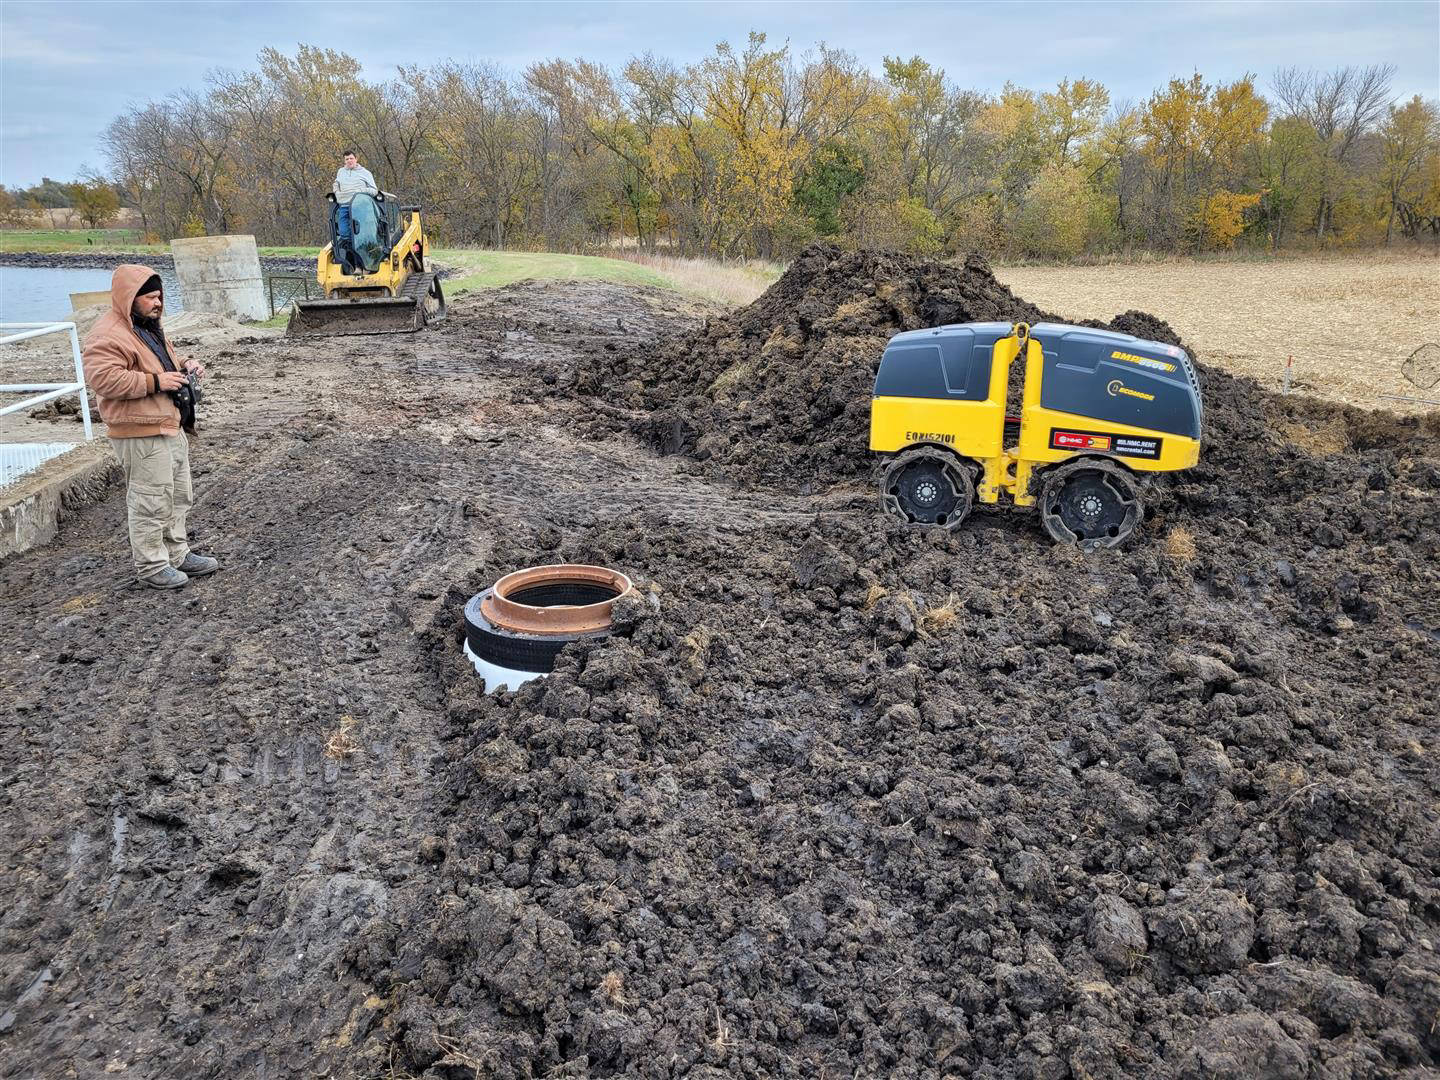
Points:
(944, 362)
(1119, 378)
(1090, 373)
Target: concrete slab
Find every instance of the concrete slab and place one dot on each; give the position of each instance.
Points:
(80, 300)
(32, 509)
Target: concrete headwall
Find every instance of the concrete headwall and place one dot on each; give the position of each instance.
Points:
(221, 274)
(80, 300)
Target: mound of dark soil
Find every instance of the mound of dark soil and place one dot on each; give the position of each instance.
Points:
(848, 798)
(778, 393)
(840, 798)
(1309, 483)
(844, 797)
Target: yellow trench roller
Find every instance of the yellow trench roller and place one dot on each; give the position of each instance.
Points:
(1098, 411)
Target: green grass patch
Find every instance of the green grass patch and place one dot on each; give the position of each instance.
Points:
(475, 269)
(48, 240)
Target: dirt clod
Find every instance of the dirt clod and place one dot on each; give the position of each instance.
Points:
(1247, 1046)
(1117, 934)
(1204, 929)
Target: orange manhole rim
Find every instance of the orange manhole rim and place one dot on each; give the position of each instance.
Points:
(512, 615)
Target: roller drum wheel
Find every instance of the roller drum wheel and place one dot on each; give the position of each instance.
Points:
(928, 487)
(1090, 504)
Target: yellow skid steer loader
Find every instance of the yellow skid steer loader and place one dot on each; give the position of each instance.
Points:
(378, 279)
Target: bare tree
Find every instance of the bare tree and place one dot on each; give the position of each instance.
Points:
(580, 189)
(1340, 105)
(131, 168)
(1119, 165)
(481, 128)
(174, 150)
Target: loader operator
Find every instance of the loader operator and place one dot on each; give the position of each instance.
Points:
(147, 396)
(350, 179)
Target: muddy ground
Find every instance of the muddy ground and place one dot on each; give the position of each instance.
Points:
(840, 798)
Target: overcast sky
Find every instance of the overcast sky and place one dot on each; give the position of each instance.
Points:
(70, 67)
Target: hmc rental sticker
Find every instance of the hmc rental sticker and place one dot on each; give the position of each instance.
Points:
(1136, 446)
(1078, 440)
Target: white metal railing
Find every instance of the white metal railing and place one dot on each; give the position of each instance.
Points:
(43, 392)
(20, 459)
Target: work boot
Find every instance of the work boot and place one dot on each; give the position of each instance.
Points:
(198, 565)
(169, 578)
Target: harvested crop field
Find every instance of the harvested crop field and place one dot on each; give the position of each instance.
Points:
(1350, 322)
(839, 798)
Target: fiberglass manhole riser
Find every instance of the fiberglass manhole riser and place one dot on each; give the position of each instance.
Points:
(516, 628)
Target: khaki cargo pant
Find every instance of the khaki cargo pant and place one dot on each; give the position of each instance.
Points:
(157, 498)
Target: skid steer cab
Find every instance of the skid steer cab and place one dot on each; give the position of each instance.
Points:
(1099, 411)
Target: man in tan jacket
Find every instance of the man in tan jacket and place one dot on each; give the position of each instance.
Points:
(145, 400)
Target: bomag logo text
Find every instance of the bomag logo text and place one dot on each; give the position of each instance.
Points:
(1115, 388)
(1143, 361)
(929, 436)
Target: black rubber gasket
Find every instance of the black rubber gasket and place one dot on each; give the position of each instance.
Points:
(522, 652)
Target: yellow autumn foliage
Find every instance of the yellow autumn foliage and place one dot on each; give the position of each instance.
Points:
(1221, 217)
(758, 148)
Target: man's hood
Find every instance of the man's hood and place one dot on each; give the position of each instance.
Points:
(125, 286)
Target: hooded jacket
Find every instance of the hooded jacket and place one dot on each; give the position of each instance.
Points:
(122, 369)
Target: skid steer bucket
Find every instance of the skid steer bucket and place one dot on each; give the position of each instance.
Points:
(419, 304)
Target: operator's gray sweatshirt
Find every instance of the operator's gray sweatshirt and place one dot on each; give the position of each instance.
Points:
(349, 182)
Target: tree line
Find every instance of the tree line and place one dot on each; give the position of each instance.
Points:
(758, 150)
(93, 199)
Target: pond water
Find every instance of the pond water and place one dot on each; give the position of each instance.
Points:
(42, 294)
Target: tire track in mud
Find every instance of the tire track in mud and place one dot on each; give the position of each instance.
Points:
(216, 856)
(230, 781)
(579, 487)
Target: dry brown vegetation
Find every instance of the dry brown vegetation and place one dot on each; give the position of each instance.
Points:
(732, 283)
(341, 743)
(1180, 544)
(1350, 323)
